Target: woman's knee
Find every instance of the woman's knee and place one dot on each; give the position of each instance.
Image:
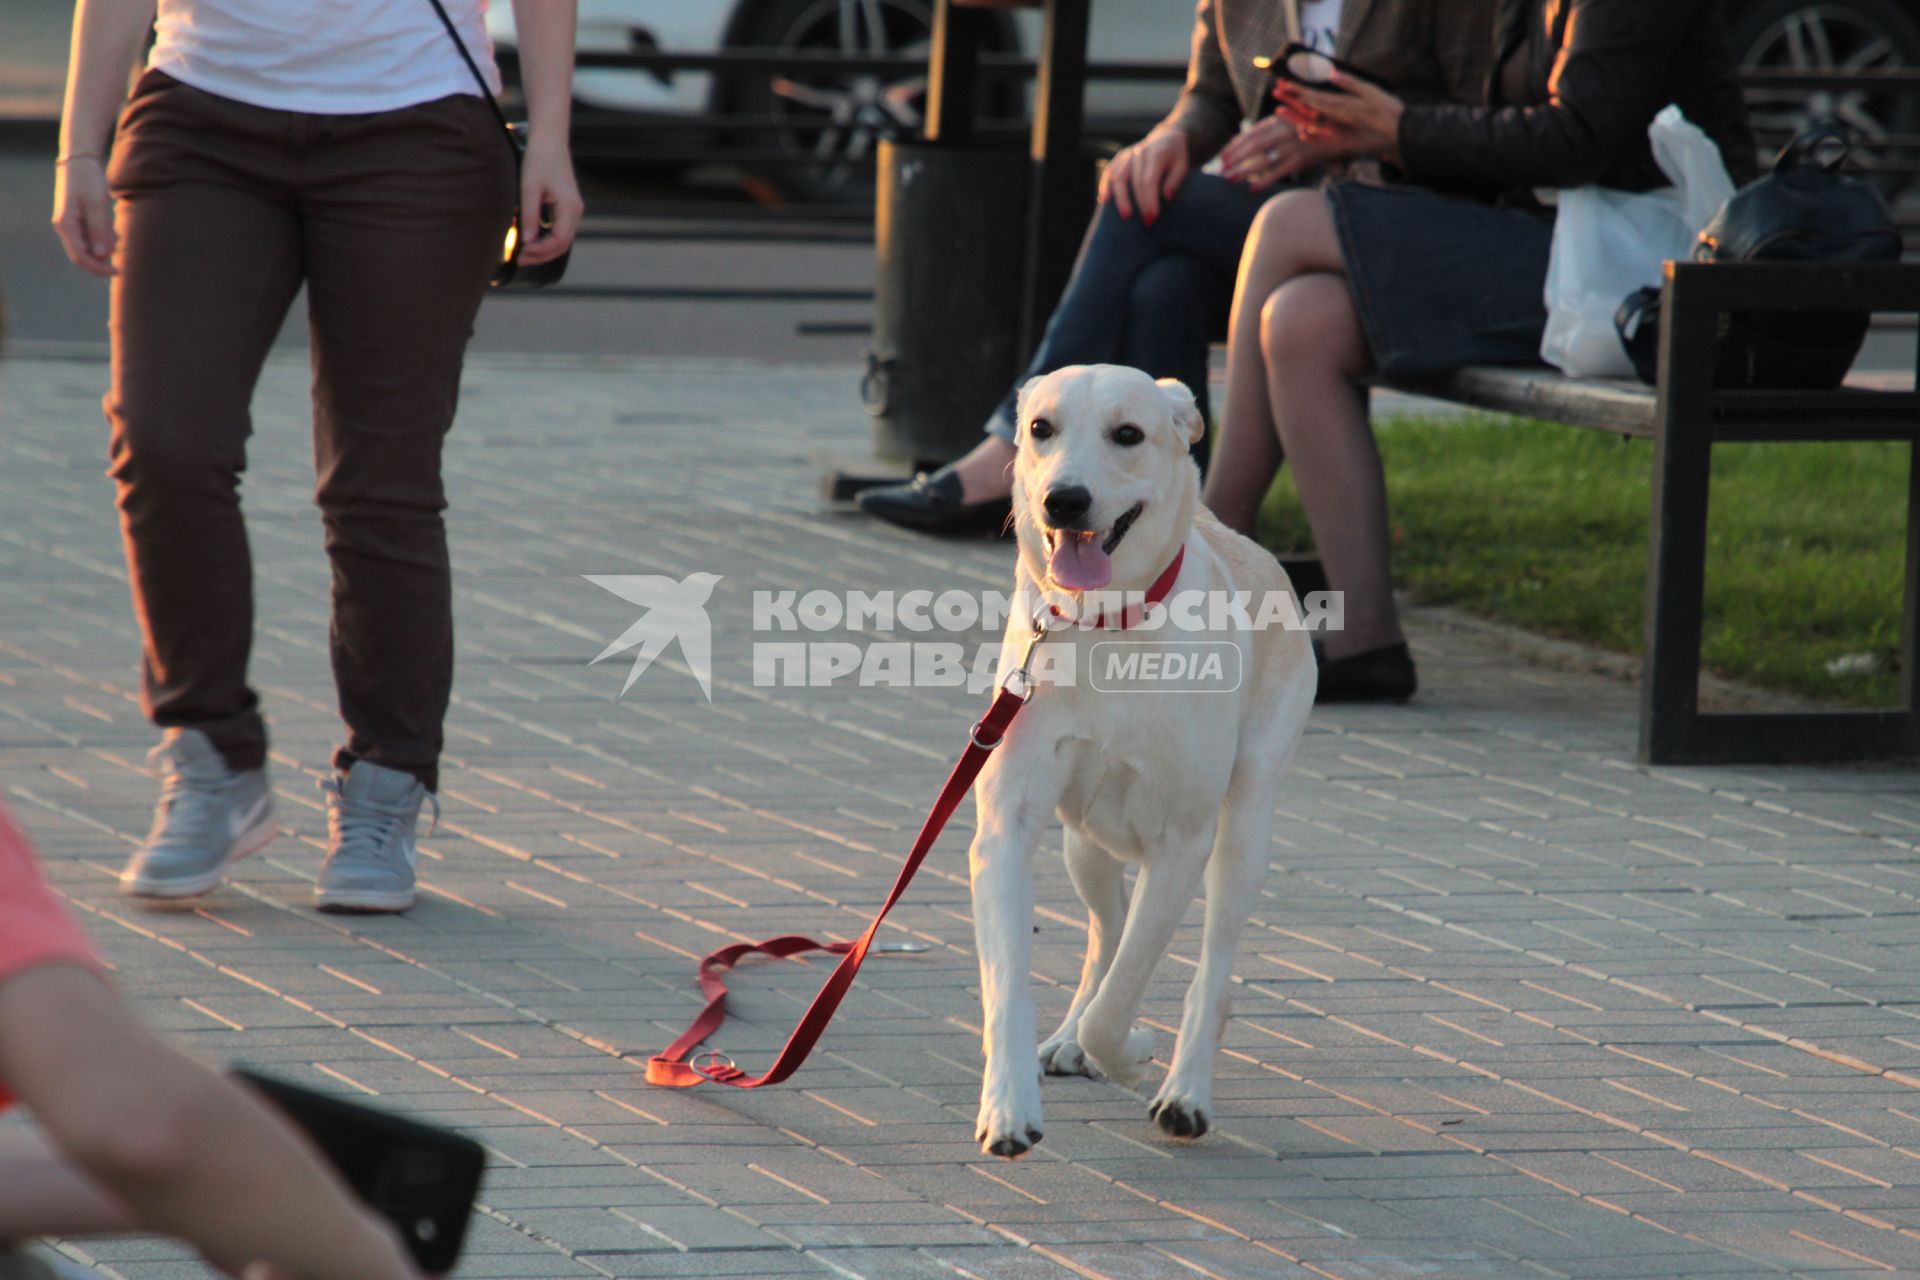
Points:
(1308, 325)
(1110, 230)
(1286, 327)
(1283, 219)
(161, 452)
(1292, 235)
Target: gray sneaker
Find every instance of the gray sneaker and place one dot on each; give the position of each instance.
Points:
(371, 857)
(210, 816)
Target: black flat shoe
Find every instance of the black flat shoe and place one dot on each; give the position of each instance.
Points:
(931, 503)
(1378, 675)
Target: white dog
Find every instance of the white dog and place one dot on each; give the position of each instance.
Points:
(1179, 783)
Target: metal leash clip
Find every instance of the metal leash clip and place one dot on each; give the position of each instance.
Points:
(1019, 681)
(1045, 622)
(714, 1065)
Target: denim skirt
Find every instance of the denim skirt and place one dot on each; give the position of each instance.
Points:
(1442, 281)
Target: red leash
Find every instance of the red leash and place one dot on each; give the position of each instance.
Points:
(672, 1068)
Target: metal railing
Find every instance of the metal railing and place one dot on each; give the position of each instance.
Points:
(703, 136)
(752, 141)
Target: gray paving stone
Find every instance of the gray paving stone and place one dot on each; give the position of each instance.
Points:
(1510, 1005)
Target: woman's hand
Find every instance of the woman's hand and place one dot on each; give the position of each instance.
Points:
(107, 35)
(1146, 174)
(1354, 118)
(83, 214)
(1269, 152)
(550, 204)
(548, 192)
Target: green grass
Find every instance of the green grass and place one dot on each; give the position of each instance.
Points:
(1545, 526)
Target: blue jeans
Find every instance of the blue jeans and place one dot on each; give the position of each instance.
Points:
(1151, 297)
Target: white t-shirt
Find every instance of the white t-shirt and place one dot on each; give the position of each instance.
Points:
(1319, 25)
(329, 57)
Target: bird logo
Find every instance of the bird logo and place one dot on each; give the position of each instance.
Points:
(673, 611)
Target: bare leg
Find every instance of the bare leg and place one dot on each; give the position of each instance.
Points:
(1292, 235)
(1248, 450)
(986, 471)
(1315, 349)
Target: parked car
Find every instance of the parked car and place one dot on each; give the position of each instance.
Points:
(1831, 35)
(811, 135)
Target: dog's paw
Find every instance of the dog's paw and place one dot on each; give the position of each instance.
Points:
(1064, 1057)
(1009, 1123)
(1121, 1057)
(1179, 1115)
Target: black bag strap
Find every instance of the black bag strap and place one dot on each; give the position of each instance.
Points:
(1804, 150)
(485, 90)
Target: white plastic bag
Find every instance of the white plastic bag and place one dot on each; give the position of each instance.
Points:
(1608, 243)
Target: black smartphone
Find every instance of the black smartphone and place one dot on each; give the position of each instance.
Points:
(420, 1177)
(1300, 65)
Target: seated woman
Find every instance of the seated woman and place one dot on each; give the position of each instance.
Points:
(1154, 279)
(1411, 281)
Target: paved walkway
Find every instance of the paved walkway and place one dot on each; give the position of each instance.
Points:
(1511, 1005)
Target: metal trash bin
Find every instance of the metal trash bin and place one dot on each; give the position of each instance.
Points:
(951, 233)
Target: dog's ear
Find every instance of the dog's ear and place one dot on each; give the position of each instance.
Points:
(1186, 411)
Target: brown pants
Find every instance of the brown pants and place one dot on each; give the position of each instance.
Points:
(393, 221)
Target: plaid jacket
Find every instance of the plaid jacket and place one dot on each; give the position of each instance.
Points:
(1423, 50)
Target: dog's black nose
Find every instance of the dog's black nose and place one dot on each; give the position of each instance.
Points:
(1068, 504)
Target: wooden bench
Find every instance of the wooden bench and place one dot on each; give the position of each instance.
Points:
(1684, 418)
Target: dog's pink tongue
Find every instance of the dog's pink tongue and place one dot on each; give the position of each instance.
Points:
(1078, 563)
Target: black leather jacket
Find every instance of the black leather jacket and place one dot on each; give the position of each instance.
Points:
(1595, 73)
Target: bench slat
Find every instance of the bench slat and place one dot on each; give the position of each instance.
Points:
(1619, 408)
(1846, 414)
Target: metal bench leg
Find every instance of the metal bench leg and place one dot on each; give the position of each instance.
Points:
(1677, 534)
(1673, 729)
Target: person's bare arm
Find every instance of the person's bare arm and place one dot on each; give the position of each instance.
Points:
(545, 29)
(187, 1151)
(107, 35)
(41, 1194)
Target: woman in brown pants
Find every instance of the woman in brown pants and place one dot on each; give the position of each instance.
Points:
(344, 146)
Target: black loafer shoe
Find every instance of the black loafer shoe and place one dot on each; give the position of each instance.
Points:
(1378, 675)
(932, 503)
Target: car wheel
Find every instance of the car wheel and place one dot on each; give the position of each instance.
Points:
(1829, 35)
(826, 125)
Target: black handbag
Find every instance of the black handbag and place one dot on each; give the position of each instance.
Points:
(1806, 210)
(510, 274)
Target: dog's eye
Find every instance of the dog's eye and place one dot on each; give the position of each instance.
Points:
(1039, 429)
(1128, 434)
